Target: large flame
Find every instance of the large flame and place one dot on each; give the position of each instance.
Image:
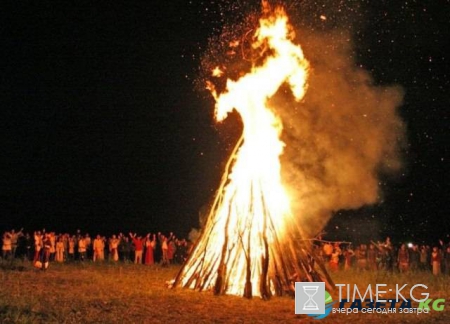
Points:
(252, 208)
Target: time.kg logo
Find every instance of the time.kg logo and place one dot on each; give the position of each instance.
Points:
(312, 299)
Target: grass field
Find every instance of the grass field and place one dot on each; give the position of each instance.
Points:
(127, 293)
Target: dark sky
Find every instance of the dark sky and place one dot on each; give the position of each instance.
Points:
(102, 129)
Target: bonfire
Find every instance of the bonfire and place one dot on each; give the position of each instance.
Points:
(251, 244)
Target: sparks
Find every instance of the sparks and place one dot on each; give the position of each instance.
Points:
(244, 248)
(217, 72)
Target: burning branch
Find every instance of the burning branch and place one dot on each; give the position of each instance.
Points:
(247, 246)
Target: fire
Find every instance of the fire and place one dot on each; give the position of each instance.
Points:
(217, 72)
(241, 250)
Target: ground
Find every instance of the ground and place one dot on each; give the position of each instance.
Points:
(127, 293)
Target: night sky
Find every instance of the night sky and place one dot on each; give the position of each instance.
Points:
(103, 130)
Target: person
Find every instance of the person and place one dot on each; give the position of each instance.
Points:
(37, 246)
(82, 248)
(53, 245)
(88, 241)
(388, 244)
(65, 239)
(349, 254)
(447, 261)
(176, 256)
(361, 257)
(14, 240)
(171, 249)
(28, 246)
(372, 256)
(149, 247)
(60, 249)
(71, 252)
(157, 255)
(429, 250)
(126, 249)
(327, 251)
(138, 248)
(98, 249)
(47, 245)
(382, 257)
(423, 258)
(403, 259)
(436, 261)
(77, 240)
(114, 248)
(334, 260)
(165, 250)
(7, 246)
(182, 251)
(414, 258)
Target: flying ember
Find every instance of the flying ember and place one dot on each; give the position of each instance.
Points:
(247, 246)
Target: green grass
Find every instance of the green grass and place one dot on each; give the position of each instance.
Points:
(127, 293)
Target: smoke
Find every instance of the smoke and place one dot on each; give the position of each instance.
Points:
(345, 133)
(341, 137)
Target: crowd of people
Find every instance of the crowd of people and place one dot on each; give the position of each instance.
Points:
(385, 256)
(43, 247)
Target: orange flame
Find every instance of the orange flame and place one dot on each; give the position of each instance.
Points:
(253, 196)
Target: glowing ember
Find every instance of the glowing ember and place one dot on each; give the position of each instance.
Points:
(244, 249)
(217, 72)
(234, 44)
